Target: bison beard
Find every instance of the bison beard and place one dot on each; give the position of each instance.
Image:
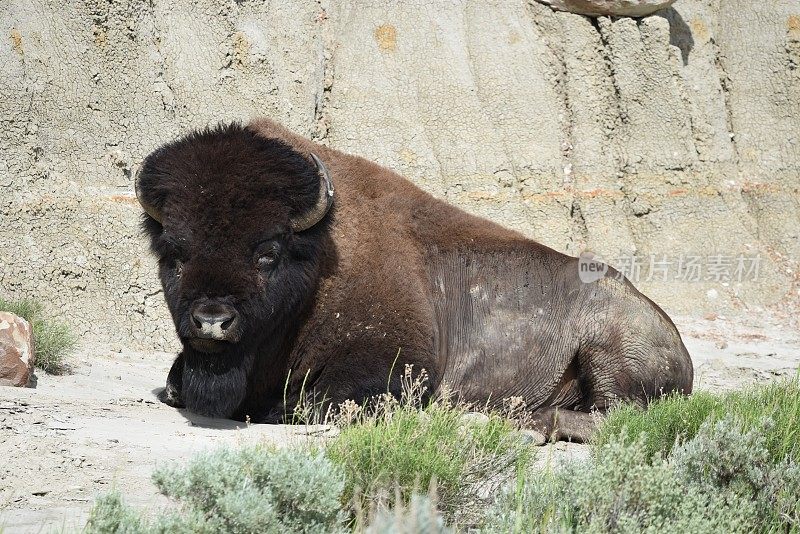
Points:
(215, 386)
(307, 294)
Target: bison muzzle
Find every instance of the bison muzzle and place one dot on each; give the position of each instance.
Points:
(291, 269)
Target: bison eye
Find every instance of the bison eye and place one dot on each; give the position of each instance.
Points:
(268, 259)
(267, 254)
(178, 268)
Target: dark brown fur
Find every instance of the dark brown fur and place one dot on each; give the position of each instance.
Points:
(391, 270)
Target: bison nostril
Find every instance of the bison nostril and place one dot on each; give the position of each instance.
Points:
(213, 320)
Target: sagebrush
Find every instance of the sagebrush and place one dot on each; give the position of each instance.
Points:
(252, 489)
(419, 516)
(724, 479)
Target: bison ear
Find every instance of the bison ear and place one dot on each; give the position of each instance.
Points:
(151, 210)
(324, 200)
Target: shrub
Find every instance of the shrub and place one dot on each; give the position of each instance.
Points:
(110, 515)
(676, 418)
(722, 480)
(253, 489)
(52, 340)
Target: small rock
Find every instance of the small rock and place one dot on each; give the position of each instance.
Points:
(615, 8)
(710, 316)
(721, 344)
(16, 351)
(474, 418)
(533, 437)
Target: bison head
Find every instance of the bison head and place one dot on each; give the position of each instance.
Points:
(238, 223)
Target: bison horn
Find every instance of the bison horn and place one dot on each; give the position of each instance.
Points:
(324, 200)
(150, 209)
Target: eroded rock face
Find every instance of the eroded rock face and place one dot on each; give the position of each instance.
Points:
(616, 8)
(666, 136)
(16, 350)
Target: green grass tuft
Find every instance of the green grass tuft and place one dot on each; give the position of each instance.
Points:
(394, 446)
(675, 419)
(52, 340)
(408, 448)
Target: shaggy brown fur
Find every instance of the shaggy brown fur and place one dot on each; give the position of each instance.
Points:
(390, 270)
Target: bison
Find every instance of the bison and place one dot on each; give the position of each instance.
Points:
(291, 268)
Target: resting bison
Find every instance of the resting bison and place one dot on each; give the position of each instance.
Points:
(268, 273)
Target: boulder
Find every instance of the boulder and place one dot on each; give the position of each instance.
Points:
(614, 8)
(16, 351)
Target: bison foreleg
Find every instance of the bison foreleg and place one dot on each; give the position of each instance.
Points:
(561, 424)
(171, 394)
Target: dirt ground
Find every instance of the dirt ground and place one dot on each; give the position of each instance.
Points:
(80, 435)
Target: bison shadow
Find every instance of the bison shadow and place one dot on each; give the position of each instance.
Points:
(202, 421)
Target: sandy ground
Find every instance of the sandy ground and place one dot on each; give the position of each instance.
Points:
(80, 435)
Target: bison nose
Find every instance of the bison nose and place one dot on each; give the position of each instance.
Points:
(214, 321)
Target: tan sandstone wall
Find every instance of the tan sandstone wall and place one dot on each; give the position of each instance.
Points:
(674, 135)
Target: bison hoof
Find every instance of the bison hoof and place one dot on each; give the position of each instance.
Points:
(171, 397)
